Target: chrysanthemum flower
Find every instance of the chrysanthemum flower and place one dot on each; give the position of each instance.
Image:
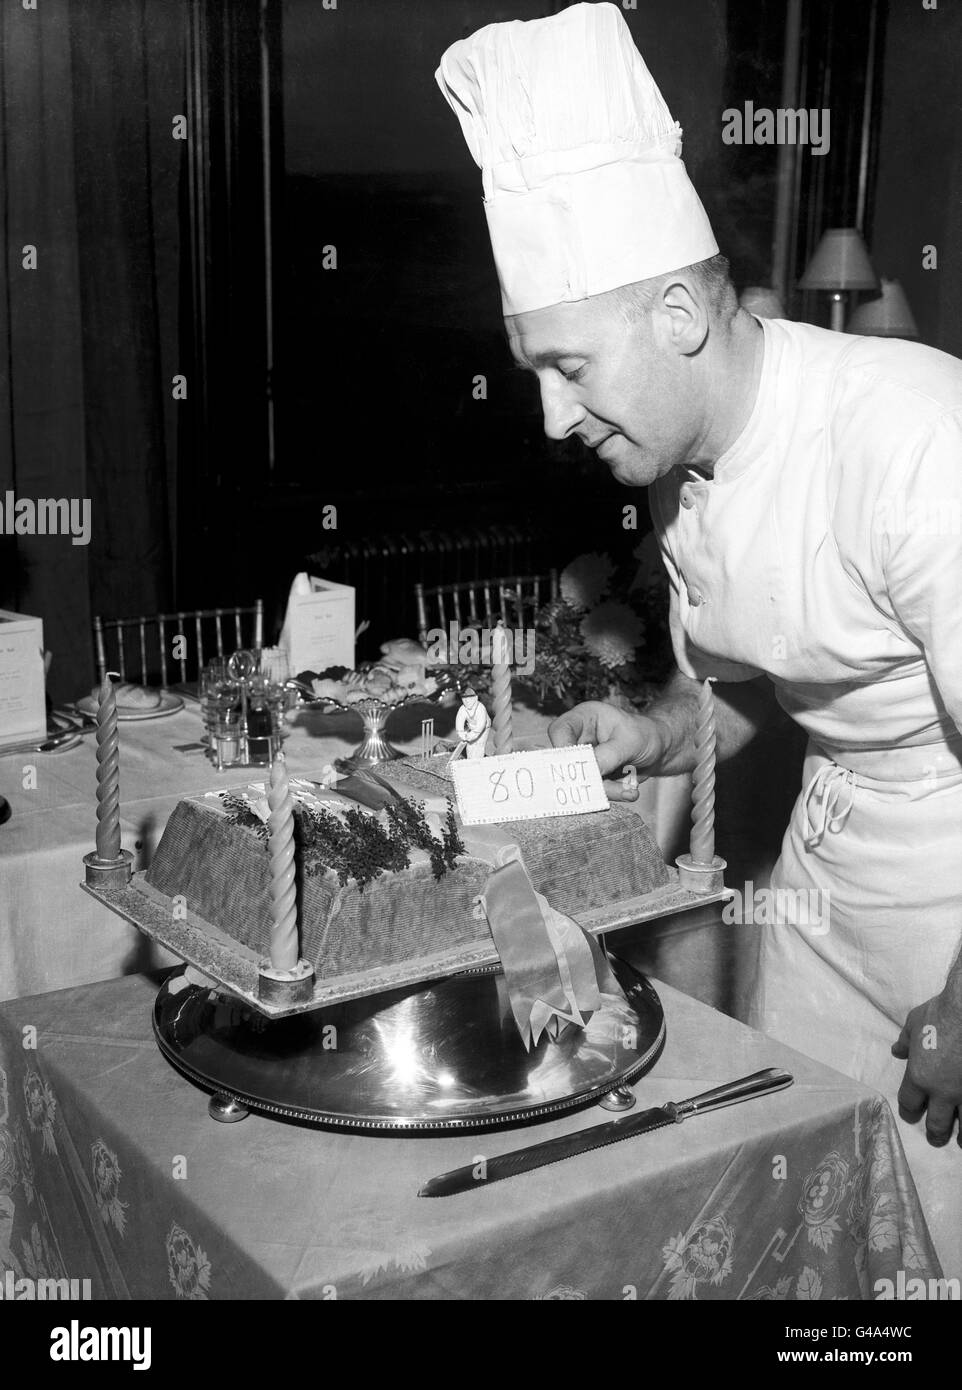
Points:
(585, 580)
(611, 632)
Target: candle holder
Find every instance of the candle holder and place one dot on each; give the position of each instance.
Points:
(108, 873)
(701, 878)
(285, 987)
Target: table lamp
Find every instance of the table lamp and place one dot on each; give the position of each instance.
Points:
(840, 264)
(889, 316)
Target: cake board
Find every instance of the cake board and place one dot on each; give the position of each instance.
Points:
(235, 968)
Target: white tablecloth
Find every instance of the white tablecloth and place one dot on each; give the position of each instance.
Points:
(53, 936)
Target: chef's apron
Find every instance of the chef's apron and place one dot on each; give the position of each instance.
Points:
(867, 897)
(777, 567)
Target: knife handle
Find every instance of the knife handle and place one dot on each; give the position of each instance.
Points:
(760, 1083)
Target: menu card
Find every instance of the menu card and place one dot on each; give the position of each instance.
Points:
(23, 710)
(319, 627)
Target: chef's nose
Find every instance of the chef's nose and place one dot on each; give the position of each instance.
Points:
(562, 413)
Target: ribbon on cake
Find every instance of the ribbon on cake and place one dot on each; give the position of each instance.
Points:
(554, 970)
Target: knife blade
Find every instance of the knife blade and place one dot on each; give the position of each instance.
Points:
(482, 1173)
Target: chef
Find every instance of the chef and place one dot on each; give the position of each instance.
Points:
(806, 489)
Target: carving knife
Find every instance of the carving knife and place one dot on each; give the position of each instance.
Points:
(484, 1172)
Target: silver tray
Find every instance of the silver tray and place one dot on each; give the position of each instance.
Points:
(436, 1057)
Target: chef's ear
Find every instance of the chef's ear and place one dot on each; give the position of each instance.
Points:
(681, 315)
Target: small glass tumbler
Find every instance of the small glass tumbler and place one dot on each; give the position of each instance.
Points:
(210, 680)
(277, 703)
(226, 732)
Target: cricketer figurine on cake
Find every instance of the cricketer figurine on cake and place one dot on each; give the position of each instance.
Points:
(472, 723)
(794, 473)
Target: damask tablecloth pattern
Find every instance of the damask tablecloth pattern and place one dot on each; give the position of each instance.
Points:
(111, 1170)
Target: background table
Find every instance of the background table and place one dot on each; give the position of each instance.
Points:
(111, 1170)
(53, 936)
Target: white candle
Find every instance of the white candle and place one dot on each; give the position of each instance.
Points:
(284, 947)
(501, 690)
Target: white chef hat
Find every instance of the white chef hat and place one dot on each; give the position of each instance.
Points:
(584, 188)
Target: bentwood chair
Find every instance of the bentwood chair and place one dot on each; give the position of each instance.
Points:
(145, 649)
(481, 602)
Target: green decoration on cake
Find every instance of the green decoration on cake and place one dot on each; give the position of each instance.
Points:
(358, 847)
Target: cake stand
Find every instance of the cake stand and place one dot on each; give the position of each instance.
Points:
(429, 1058)
(374, 747)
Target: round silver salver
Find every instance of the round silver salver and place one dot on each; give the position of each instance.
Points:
(438, 1056)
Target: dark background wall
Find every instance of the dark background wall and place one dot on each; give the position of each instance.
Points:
(377, 360)
(919, 193)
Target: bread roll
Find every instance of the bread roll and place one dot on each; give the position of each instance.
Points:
(133, 697)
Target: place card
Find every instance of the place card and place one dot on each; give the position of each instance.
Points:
(529, 786)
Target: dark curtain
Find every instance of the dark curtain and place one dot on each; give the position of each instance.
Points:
(42, 388)
(91, 176)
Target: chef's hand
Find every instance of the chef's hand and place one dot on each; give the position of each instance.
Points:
(621, 739)
(931, 1043)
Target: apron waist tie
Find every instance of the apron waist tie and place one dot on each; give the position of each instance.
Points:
(826, 789)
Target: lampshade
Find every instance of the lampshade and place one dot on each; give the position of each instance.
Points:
(889, 316)
(840, 262)
(761, 301)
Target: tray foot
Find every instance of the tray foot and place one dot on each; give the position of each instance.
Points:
(226, 1109)
(621, 1098)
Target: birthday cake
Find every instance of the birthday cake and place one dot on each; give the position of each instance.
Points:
(384, 885)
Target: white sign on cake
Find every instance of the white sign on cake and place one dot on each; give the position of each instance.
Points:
(529, 785)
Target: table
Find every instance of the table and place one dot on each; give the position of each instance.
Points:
(110, 1170)
(43, 947)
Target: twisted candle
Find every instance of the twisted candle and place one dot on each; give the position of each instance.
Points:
(285, 948)
(703, 782)
(108, 772)
(501, 690)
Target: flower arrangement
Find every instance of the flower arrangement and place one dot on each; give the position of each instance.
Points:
(605, 637)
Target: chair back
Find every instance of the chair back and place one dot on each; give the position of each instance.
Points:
(151, 650)
(481, 602)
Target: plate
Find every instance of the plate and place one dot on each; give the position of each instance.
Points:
(169, 704)
(428, 1059)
